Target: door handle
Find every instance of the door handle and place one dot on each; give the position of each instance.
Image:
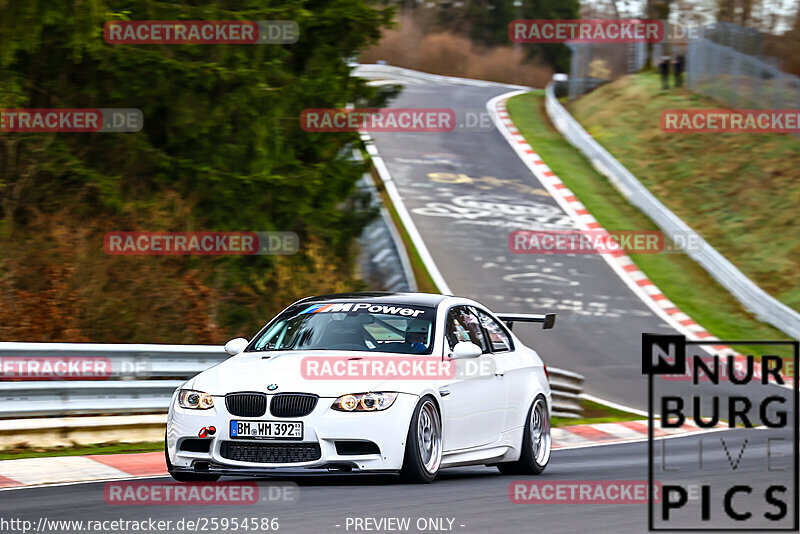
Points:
(444, 392)
(499, 373)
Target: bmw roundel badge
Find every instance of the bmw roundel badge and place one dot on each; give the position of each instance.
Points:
(272, 387)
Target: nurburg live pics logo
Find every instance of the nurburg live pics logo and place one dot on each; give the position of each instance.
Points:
(745, 478)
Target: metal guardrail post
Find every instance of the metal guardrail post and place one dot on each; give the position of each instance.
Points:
(566, 388)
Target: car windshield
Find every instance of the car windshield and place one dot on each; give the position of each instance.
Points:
(354, 326)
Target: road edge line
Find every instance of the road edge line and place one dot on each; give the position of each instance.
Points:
(610, 404)
(405, 216)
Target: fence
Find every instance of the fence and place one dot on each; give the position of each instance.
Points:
(746, 40)
(751, 296)
(725, 65)
(738, 79)
(143, 378)
(593, 64)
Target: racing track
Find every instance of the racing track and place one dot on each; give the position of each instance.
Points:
(466, 191)
(474, 497)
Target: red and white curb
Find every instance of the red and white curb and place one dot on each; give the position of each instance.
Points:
(620, 262)
(61, 469)
(624, 431)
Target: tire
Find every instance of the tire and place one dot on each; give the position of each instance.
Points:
(536, 442)
(423, 454)
(181, 476)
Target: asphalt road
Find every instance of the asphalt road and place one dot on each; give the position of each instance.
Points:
(475, 499)
(466, 190)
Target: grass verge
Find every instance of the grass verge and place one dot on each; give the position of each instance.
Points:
(595, 413)
(682, 280)
(26, 451)
(740, 191)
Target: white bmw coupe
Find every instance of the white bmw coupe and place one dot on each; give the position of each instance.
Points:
(395, 383)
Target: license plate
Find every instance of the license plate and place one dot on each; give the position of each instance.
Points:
(266, 429)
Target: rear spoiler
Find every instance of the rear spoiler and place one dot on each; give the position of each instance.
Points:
(547, 319)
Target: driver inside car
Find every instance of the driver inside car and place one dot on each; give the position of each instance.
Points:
(416, 336)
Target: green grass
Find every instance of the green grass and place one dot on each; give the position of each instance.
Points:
(596, 413)
(739, 190)
(80, 450)
(682, 280)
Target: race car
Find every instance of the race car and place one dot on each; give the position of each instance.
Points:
(392, 383)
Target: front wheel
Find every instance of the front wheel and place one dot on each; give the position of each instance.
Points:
(536, 442)
(423, 444)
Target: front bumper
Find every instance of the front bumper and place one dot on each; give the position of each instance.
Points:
(337, 469)
(323, 426)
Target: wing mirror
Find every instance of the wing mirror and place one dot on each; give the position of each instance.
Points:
(236, 345)
(466, 349)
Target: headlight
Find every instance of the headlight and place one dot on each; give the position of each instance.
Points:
(195, 400)
(364, 402)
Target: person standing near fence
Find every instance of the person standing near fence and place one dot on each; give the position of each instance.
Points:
(678, 68)
(663, 68)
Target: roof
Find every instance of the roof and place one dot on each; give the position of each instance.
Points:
(384, 297)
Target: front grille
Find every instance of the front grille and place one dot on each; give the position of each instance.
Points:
(246, 404)
(274, 453)
(292, 404)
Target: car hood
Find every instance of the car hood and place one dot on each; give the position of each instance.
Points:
(254, 371)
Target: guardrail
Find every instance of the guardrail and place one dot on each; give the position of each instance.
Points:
(129, 379)
(566, 388)
(377, 71)
(752, 297)
(143, 378)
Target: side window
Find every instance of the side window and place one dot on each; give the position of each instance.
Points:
(497, 336)
(463, 325)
